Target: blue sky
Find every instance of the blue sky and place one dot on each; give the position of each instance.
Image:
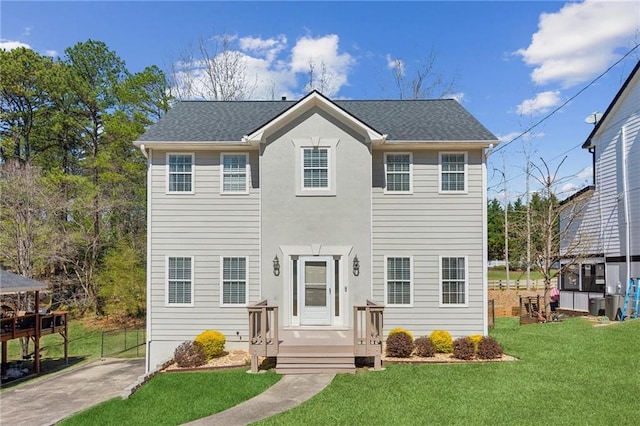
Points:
(513, 62)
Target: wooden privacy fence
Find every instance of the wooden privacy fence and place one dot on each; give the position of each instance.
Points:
(516, 285)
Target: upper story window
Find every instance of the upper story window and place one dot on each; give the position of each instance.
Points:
(453, 172)
(315, 166)
(398, 281)
(234, 281)
(235, 173)
(180, 173)
(179, 281)
(398, 172)
(453, 281)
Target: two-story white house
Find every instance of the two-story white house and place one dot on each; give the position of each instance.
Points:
(320, 209)
(601, 224)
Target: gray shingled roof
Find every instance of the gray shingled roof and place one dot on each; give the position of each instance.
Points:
(414, 120)
(13, 283)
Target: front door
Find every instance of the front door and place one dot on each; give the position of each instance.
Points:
(315, 290)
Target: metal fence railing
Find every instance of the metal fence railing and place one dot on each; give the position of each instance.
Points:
(123, 343)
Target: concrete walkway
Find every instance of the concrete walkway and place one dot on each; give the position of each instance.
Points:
(290, 391)
(47, 400)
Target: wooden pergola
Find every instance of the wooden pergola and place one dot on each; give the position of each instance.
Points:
(32, 325)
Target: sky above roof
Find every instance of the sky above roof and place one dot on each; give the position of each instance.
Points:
(512, 63)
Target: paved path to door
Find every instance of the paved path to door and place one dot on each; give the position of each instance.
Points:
(290, 391)
(47, 400)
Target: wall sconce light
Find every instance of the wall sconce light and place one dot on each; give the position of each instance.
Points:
(276, 266)
(356, 266)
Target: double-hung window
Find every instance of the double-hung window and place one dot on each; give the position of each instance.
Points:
(315, 168)
(399, 281)
(179, 281)
(398, 172)
(453, 281)
(180, 173)
(453, 172)
(235, 173)
(234, 281)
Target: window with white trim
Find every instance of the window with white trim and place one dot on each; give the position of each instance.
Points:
(398, 172)
(453, 276)
(315, 168)
(234, 281)
(235, 173)
(453, 176)
(180, 173)
(180, 281)
(398, 281)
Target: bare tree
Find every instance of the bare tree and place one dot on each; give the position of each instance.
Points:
(546, 235)
(421, 81)
(321, 80)
(211, 70)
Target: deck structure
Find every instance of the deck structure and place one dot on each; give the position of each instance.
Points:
(31, 325)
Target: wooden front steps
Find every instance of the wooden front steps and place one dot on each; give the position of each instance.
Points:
(305, 351)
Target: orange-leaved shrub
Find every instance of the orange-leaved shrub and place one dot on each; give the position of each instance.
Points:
(189, 354)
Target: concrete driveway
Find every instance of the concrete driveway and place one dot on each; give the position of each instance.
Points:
(50, 399)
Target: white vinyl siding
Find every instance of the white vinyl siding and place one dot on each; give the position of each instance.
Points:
(234, 281)
(235, 173)
(398, 172)
(179, 281)
(453, 281)
(180, 173)
(453, 172)
(398, 281)
(315, 167)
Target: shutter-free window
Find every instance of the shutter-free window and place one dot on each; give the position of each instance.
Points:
(234, 173)
(398, 172)
(454, 282)
(452, 169)
(398, 280)
(315, 164)
(180, 172)
(234, 281)
(179, 283)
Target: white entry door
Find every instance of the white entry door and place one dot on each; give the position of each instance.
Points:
(315, 290)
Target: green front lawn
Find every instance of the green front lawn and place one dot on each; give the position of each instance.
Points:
(568, 373)
(176, 398)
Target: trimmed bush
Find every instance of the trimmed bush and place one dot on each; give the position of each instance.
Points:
(189, 354)
(489, 348)
(399, 345)
(475, 338)
(400, 330)
(442, 341)
(212, 342)
(424, 347)
(463, 348)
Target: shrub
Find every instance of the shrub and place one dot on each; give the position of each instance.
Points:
(400, 330)
(463, 348)
(399, 345)
(212, 342)
(475, 338)
(442, 341)
(489, 348)
(424, 347)
(189, 354)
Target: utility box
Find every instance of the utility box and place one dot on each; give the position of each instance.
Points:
(613, 303)
(597, 306)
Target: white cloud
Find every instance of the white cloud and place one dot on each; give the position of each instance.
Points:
(268, 48)
(579, 41)
(540, 104)
(585, 173)
(568, 187)
(459, 96)
(510, 136)
(27, 31)
(51, 53)
(322, 52)
(396, 64)
(10, 44)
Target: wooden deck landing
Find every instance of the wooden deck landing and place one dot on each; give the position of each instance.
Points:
(308, 351)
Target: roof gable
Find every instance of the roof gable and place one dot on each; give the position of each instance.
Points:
(632, 80)
(313, 100)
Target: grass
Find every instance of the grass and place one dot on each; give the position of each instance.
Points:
(568, 373)
(497, 275)
(176, 398)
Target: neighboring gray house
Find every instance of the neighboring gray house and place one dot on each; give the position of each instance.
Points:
(316, 206)
(602, 247)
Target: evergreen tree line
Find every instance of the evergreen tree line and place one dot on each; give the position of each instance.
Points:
(72, 185)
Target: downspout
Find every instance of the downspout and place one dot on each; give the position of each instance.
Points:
(625, 194)
(485, 233)
(147, 155)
